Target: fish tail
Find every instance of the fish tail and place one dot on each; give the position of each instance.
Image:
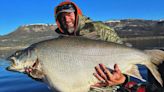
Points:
(157, 56)
(154, 70)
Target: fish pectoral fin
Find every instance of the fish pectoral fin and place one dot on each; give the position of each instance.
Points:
(134, 72)
(154, 70)
(37, 74)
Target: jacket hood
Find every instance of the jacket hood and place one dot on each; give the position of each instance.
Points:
(77, 13)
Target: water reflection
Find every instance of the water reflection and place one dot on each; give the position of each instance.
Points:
(18, 82)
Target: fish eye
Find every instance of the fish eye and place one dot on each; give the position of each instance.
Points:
(16, 53)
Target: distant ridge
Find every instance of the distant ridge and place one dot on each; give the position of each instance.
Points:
(24, 36)
(137, 27)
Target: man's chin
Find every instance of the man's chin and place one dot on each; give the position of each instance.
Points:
(70, 30)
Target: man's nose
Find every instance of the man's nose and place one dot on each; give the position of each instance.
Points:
(67, 18)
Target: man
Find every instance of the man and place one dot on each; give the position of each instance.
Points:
(70, 21)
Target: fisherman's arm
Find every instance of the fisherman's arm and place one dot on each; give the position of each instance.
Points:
(106, 33)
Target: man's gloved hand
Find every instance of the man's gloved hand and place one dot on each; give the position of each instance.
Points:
(107, 77)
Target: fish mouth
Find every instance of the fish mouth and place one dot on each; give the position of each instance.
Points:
(9, 68)
(13, 65)
(13, 69)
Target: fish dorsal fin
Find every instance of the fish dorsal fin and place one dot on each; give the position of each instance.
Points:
(134, 72)
(157, 55)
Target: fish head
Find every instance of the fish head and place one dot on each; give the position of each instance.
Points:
(21, 60)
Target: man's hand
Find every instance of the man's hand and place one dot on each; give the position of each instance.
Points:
(107, 77)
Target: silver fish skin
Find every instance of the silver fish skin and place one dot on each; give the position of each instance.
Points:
(68, 62)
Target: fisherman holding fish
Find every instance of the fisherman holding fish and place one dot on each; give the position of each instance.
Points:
(70, 21)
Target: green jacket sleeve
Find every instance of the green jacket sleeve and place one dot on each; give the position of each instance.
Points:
(106, 33)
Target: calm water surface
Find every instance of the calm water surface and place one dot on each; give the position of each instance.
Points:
(18, 82)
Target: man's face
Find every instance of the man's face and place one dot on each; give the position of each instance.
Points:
(68, 20)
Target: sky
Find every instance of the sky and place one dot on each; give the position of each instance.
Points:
(14, 13)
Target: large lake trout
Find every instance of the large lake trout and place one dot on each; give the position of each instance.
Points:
(68, 62)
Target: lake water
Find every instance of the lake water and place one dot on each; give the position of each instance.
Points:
(18, 82)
